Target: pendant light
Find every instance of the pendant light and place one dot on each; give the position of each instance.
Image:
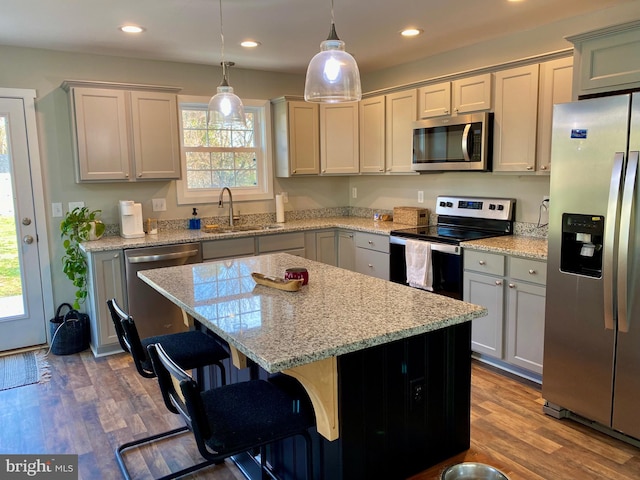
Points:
(332, 75)
(225, 107)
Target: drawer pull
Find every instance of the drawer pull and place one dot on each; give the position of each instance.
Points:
(512, 285)
(498, 282)
(482, 262)
(532, 272)
(370, 266)
(370, 242)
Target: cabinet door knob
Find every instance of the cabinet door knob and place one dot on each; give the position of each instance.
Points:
(529, 167)
(532, 272)
(370, 242)
(512, 285)
(498, 282)
(543, 167)
(370, 266)
(28, 239)
(482, 262)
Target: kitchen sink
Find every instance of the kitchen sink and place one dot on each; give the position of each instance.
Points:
(241, 228)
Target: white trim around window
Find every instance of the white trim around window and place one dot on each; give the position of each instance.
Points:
(264, 188)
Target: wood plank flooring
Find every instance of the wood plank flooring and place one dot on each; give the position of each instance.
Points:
(91, 406)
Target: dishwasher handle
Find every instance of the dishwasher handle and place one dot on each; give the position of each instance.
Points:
(162, 257)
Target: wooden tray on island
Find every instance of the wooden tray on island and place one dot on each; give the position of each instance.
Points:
(276, 282)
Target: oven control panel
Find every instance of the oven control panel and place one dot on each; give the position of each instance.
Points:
(476, 207)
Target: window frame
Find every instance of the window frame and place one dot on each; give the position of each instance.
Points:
(264, 190)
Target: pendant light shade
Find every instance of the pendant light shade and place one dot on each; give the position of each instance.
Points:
(332, 74)
(225, 107)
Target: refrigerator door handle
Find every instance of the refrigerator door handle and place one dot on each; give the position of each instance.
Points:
(610, 239)
(628, 195)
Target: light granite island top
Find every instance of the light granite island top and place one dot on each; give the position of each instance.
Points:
(338, 312)
(387, 367)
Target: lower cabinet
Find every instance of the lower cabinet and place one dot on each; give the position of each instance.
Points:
(293, 243)
(513, 291)
(372, 255)
(105, 280)
(346, 250)
(227, 248)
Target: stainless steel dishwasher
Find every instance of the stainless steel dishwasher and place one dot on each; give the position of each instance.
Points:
(153, 313)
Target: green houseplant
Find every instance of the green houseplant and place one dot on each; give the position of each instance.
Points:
(78, 225)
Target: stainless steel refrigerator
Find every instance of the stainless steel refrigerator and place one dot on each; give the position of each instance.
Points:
(592, 322)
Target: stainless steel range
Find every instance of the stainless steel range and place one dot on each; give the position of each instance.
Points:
(460, 219)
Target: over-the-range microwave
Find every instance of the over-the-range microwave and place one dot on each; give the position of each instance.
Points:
(458, 143)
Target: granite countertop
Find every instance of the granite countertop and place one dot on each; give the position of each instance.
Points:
(170, 237)
(338, 312)
(515, 245)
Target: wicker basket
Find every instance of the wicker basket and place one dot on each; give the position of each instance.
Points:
(411, 216)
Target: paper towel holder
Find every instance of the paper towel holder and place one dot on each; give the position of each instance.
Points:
(279, 209)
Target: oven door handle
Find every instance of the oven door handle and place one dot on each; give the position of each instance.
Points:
(435, 247)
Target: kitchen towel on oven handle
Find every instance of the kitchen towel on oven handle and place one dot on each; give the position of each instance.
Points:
(419, 269)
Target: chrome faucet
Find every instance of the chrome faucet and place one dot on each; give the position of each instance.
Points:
(220, 204)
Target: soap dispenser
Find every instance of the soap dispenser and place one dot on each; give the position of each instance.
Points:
(194, 221)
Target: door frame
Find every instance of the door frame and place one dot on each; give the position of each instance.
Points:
(28, 97)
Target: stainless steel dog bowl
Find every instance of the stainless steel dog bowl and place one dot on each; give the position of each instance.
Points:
(472, 471)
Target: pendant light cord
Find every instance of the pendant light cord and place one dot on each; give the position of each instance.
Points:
(224, 66)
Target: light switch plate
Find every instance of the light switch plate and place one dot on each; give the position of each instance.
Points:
(73, 205)
(56, 210)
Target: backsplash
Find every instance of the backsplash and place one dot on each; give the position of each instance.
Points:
(520, 228)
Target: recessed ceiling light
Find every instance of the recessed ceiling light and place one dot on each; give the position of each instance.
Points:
(131, 29)
(250, 44)
(411, 32)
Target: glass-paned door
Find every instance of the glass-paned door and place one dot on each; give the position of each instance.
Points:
(21, 301)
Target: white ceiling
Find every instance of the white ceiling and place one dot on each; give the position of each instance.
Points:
(290, 30)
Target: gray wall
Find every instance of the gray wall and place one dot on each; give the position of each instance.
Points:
(45, 70)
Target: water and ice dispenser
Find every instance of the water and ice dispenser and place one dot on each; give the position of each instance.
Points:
(582, 239)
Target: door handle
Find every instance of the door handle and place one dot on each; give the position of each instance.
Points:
(162, 257)
(609, 238)
(465, 143)
(628, 194)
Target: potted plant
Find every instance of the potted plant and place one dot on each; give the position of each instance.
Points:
(79, 225)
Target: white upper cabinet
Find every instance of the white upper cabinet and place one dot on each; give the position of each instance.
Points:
(555, 87)
(124, 135)
(465, 95)
(435, 100)
(401, 112)
(156, 136)
(297, 137)
(372, 135)
(606, 60)
(516, 119)
(386, 132)
(339, 139)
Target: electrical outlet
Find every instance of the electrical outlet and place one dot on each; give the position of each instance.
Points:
(56, 210)
(417, 391)
(354, 192)
(420, 196)
(159, 204)
(73, 205)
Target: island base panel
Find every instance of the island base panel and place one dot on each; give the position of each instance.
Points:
(404, 407)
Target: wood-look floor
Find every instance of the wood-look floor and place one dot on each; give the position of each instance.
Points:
(91, 406)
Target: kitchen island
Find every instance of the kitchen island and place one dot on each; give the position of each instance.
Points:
(387, 367)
